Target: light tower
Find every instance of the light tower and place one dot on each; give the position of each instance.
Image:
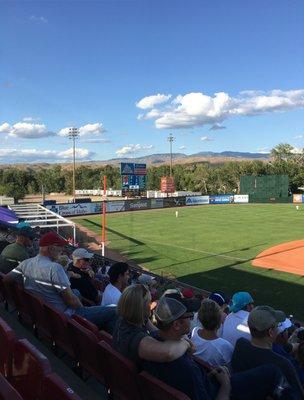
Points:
(73, 135)
(170, 139)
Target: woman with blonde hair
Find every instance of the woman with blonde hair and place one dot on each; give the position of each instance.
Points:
(131, 336)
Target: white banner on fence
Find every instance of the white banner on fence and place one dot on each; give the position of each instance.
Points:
(194, 200)
(241, 198)
(115, 206)
(75, 209)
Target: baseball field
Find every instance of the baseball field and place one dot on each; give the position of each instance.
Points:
(212, 247)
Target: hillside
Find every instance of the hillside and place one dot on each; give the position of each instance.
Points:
(158, 159)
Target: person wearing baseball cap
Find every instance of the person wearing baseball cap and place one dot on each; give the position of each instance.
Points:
(81, 274)
(44, 276)
(184, 374)
(235, 324)
(17, 251)
(263, 322)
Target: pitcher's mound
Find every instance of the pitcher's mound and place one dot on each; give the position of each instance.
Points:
(286, 257)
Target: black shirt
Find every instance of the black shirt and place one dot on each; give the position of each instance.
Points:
(183, 374)
(247, 356)
(126, 339)
(83, 284)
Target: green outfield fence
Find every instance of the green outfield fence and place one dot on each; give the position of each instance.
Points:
(266, 188)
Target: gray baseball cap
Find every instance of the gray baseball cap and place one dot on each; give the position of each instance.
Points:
(264, 317)
(169, 309)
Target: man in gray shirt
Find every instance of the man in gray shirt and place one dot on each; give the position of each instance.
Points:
(43, 276)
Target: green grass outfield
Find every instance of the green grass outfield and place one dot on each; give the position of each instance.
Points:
(211, 247)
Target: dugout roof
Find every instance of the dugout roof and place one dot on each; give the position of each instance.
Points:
(37, 215)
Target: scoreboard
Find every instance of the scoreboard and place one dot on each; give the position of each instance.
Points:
(133, 177)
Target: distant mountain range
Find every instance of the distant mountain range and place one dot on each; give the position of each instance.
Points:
(209, 156)
(158, 159)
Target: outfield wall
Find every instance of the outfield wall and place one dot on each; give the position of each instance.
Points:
(73, 209)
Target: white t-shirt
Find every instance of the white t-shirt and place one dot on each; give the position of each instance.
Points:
(111, 295)
(215, 352)
(236, 326)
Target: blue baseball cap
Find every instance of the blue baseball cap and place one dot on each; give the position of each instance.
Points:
(219, 298)
(240, 300)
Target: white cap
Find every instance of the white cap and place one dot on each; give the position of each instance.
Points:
(145, 279)
(282, 326)
(80, 253)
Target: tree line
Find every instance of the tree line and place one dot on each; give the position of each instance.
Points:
(201, 177)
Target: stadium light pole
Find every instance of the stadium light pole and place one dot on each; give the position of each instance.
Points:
(170, 139)
(73, 135)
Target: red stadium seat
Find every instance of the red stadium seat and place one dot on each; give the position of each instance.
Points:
(85, 344)
(87, 324)
(121, 373)
(101, 335)
(7, 392)
(54, 388)
(25, 312)
(10, 295)
(41, 322)
(58, 330)
(7, 342)
(154, 389)
(2, 291)
(106, 337)
(29, 367)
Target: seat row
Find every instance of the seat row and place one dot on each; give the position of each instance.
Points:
(90, 348)
(25, 373)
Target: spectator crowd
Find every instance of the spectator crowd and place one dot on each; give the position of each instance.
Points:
(250, 351)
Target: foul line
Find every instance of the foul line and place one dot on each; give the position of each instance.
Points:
(198, 251)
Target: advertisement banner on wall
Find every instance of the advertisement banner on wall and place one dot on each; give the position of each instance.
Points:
(196, 200)
(71, 209)
(115, 206)
(137, 204)
(297, 198)
(167, 184)
(174, 201)
(221, 199)
(157, 203)
(241, 198)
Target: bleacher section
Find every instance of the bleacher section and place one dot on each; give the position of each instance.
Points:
(26, 373)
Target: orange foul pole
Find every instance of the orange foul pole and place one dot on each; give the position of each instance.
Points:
(104, 212)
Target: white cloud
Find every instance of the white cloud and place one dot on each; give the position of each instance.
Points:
(182, 147)
(206, 139)
(96, 141)
(217, 127)
(297, 150)
(79, 153)
(296, 137)
(85, 130)
(38, 18)
(29, 119)
(263, 150)
(151, 101)
(26, 130)
(91, 129)
(198, 109)
(34, 155)
(4, 128)
(133, 148)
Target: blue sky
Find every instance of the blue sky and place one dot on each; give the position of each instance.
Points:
(219, 75)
